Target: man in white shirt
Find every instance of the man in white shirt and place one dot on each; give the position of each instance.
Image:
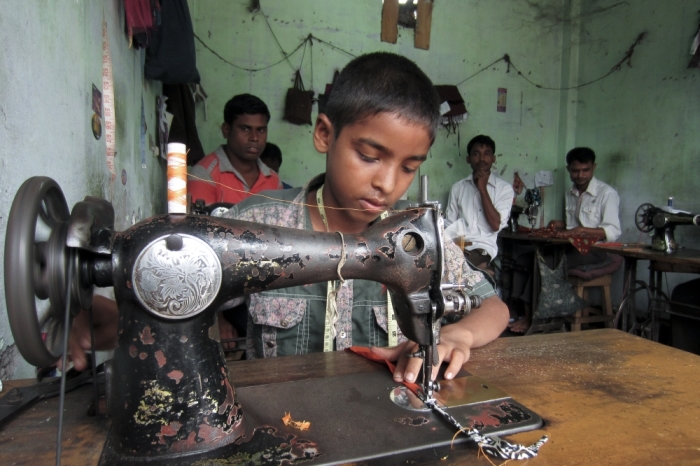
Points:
(593, 208)
(479, 205)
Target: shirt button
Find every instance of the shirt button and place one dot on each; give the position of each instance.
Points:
(342, 334)
(285, 323)
(270, 344)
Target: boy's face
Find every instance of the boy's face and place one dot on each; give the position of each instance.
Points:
(245, 137)
(481, 158)
(581, 174)
(370, 164)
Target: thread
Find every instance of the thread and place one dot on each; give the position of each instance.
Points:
(177, 178)
(194, 177)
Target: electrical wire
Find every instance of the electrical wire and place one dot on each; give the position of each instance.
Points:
(64, 370)
(627, 58)
(616, 67)
(252, 70)
(273, 35)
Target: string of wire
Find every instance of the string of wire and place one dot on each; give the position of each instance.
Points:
(275, 198)
(505, 58)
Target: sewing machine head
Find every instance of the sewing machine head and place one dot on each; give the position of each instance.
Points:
(533, 201)
(167, 386)
(515, 212)
(663, 221)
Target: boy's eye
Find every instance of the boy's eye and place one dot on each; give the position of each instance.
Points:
(409, 170)
(367, 158)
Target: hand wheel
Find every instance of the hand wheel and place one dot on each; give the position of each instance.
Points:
(643, 218)
(37, 264)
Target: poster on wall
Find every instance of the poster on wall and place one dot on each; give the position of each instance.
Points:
(501, 102)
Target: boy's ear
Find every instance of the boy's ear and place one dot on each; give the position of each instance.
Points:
(225, 130)
(323, 133)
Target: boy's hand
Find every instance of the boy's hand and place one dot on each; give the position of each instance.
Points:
(227, 332)
(454, 348)
(105, 318)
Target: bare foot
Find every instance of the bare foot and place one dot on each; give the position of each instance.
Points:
(520, 326)
(227, 332)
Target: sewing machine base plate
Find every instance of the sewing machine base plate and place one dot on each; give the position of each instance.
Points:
(351, 419)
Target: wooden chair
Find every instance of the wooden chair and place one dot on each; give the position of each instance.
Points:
(582, 282)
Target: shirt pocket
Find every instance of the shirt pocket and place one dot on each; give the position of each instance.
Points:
(591, 213)
(277, 312)
(380, 317)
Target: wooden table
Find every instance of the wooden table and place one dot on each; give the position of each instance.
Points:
(681, 261)
(607, 397)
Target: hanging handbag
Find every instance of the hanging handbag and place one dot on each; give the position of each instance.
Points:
(297, 106)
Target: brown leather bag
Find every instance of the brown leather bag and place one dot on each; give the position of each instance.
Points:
(297, 106)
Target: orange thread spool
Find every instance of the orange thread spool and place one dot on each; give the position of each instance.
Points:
(177, 178)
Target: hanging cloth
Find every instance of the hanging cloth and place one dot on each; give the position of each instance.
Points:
(171, 56)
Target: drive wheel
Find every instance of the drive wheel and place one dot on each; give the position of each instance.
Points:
(643, 218)
(37, 264)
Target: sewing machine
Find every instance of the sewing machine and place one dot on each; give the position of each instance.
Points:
(663, 221)
(515, 212)
(167, 386)
(533, 201)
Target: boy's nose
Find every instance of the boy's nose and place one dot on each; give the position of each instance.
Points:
(385, 180)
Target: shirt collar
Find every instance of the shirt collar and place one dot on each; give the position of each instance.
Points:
(225, 164)
(592, 188)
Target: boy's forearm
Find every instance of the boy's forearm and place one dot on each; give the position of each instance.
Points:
(487, 322)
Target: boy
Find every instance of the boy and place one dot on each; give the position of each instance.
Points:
(378, 126)
(234, 171)
(479, 205)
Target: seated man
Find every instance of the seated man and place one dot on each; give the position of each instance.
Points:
(378, 126)
(592, 208)
(234, 171)
(272, 157)
(479, 205)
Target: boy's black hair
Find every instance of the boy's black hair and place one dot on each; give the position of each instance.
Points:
(382, 82)
(580, 155)
(271, 152)
(244, 104)
(483, 141)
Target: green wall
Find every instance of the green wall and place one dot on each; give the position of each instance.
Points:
(466, 36)
(643, 120)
